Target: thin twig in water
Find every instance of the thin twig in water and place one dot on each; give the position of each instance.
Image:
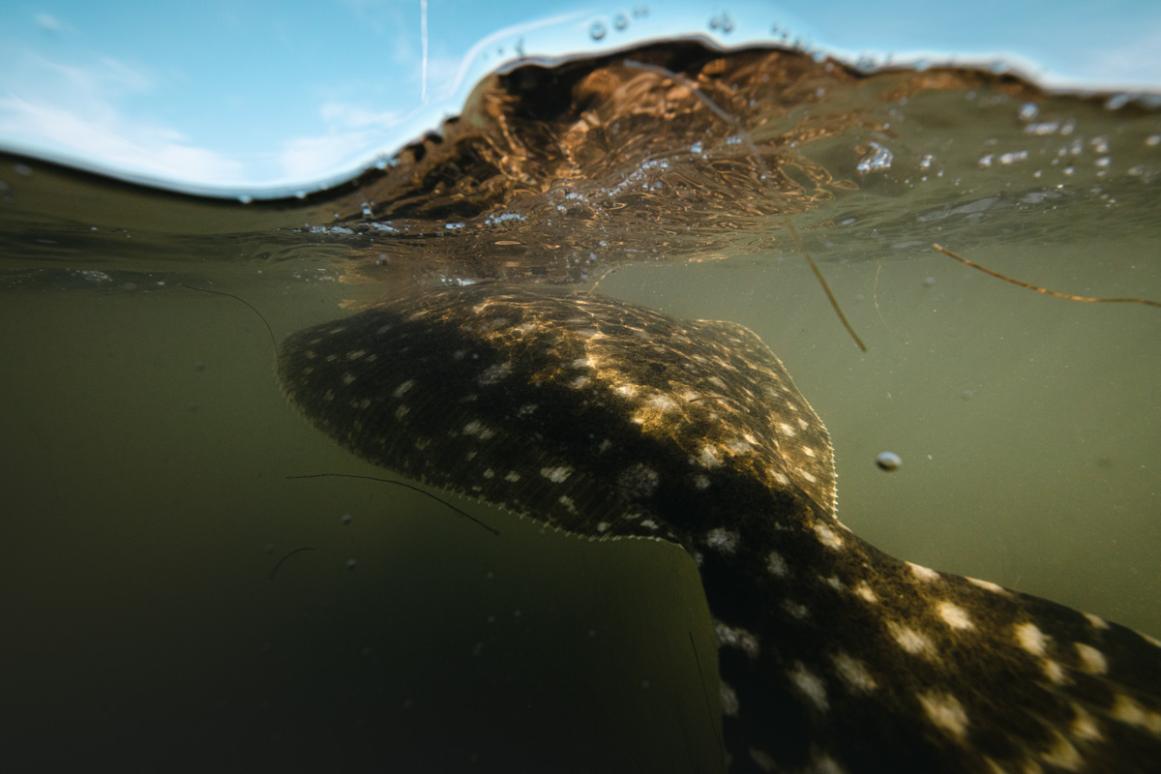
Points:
(282, 561)
(1036, 288)
(875, 296)
(239, 299)
(825, 287)
(405, 485)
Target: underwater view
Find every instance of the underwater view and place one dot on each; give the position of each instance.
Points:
(669, 407)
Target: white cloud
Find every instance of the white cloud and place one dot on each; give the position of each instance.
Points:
(311, 158)
(104, 137)
(60, 109)
(1132, 62)
(48, 22)
(344, 115)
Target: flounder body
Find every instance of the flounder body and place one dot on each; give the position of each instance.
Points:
(612, 421)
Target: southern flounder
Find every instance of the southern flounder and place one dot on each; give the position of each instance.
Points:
(609, 420)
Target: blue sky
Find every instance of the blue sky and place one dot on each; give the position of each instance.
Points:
(226, 95)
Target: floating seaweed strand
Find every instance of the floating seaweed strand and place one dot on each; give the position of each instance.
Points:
(1036, 288)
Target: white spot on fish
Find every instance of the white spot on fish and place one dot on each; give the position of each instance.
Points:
(403, 388)
(987, 585)
(558, 474)
(776, 565)
(512, 477)
(1091, 659)
(638, 482)
(737, 637)
(945, 712)
(910, 640)
(1030, 638)
(762, 759)
(866, 593)
(1062, 754)
(826, 765)
(661, 403)
(925, 574)
(602, 526)
(810, 684)
(568, 503)
(723, 540)
(701, 482)
(827, 536)
(1128, 711)
(1096, 621)
(854, 673)
(739, 446)
(1083, 725)
(795, 609)
(401, 411)
(708, 457)
(1054, 671)
(729, 699)
(954, 616)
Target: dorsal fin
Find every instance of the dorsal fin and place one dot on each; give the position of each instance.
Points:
(607, 420)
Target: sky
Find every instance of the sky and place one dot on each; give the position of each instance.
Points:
(268, 98)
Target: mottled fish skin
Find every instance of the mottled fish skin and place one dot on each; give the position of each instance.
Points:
(608, 420)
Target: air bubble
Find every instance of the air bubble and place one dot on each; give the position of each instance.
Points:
(620, 22)
(597, 31)
(1028, 111)
(878, 160)
(1117, 101)
(245, 198)
(722, 23)
(888, 461)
